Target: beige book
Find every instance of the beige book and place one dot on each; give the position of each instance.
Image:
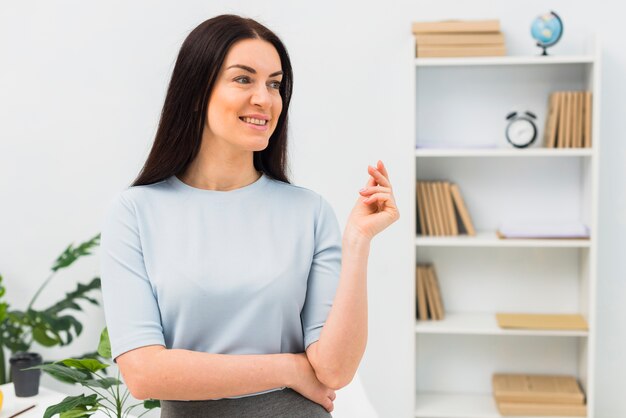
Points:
(430, 211)
(437, 290)
(588, 112)
(421, 294)
(541, 409)
(434, 204)
(447, 26)
(567, 138)
(561, 121)
(580, 119)
(578, 137)
(549, 135)
(457, 51)
(420, 209)
(430, 296)
(461, 38)
(427, 231)
(534, 388)
(462, 209)
(443, 215)
(542, 321)
(454, 228)
(574, 119)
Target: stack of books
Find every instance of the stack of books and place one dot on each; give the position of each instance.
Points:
(428, 293)
(531, 395)
(441, 210)
(568, 124)
(459, 38)
(560, 322)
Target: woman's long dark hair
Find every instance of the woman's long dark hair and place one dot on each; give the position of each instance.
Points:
(179, 135)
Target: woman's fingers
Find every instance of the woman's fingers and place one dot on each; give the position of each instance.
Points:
(381, 167)
(378, 176)
(374, 189)
(377, 197)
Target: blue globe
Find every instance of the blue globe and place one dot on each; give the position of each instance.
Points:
(547, 30)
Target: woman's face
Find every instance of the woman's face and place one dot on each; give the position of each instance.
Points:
(245, 103)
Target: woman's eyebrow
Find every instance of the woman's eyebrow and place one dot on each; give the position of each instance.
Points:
(252, 70)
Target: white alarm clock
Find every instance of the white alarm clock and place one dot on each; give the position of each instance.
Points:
(521, 131)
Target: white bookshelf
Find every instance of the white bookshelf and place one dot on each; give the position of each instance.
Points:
(462, 103)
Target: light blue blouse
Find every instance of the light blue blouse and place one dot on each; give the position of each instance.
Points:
(248, 271)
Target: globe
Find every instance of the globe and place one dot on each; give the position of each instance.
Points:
(547, 29)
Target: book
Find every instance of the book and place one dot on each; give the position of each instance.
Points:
(567, 139)
(542, 321)
(450, 51)
(580, 102)
(549, 135)
(437, 208)
(447, 26)
(421, 294)
(421, 225)
(460, 38)
(437, 292)
(587, 120)
(430, 296)
(447, 228)
(541, 409)
(430, 211)
(574, 119)
(561, 121)
(537, 389)
(462, 209)
(454, 228)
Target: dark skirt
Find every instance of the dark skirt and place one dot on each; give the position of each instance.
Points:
(285, 403)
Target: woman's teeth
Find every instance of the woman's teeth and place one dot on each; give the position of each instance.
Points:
(254, 121)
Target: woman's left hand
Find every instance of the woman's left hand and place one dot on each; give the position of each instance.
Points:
(376, 209)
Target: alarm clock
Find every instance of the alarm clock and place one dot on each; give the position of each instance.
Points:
(521, 131)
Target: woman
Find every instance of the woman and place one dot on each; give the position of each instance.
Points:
(228, 291)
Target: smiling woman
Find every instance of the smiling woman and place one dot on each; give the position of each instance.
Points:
(228, 291)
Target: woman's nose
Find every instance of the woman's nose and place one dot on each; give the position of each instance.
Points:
(261, 97)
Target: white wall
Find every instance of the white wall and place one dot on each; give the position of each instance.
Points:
(82, 84)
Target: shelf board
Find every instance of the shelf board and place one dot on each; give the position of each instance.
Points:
(506, 60)
(482, 324)
(490, 239)
(505, 152)
(455, 405)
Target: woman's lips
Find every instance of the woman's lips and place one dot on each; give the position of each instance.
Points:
(257, 127)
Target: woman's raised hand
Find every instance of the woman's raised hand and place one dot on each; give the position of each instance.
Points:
(376, 209)
(307, 385)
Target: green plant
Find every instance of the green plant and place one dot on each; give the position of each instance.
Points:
(85, 372)
(51, 326)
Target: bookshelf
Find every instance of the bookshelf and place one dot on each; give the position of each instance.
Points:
(461, 103)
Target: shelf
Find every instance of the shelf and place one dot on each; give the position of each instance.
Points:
(489, 239)
(450, 405)
(506, 60)
(482, 324)
(505, 152)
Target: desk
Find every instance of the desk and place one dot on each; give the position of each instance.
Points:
(43, 400)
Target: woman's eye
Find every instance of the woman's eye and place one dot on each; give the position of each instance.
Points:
(275, 84)
(242, 80)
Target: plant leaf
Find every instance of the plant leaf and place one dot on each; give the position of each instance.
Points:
(84, 364)
(103, 383)
(151, 403)
(72, 254)
(104, 348)
(70, 403)
(40, 335)
(64, 373)
(79, 412)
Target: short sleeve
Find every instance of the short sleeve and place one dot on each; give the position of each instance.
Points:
(323, 275)
(130, 306)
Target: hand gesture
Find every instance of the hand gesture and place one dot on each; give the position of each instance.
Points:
(376, 209)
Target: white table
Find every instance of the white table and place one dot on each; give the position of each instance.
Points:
(43, 400)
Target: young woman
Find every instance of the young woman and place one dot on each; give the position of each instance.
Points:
(228, 291)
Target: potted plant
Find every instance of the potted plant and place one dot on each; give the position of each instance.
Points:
(51, 326)
(106, 396)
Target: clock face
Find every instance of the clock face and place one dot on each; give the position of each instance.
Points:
(521, 132)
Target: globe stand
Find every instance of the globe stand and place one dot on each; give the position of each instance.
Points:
(545, 50)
